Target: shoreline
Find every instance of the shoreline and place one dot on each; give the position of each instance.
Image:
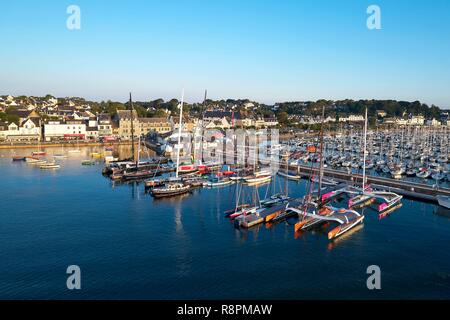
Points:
(56, 145)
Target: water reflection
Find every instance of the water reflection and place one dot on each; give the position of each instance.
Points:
(346, 236)
(243, 234)
(178, 222)
(442, 212)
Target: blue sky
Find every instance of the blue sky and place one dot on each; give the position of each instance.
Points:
(258, 49)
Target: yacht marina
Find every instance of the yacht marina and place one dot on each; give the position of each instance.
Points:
(221, 230)
(327, 186)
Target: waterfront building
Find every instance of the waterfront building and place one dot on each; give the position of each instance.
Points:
(68, 130)
(104, 125)
(159, 125)
(28, 130)
(141, 126)
(188, 123)
(92, 133)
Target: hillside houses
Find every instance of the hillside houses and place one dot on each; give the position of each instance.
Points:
(220, 119)
(27, 118)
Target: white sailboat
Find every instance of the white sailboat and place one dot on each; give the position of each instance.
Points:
(174, 188)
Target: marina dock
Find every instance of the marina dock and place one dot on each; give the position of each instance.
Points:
(413, 190)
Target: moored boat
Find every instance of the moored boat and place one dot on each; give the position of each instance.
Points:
(184, 169)
(444, 201)
(217, 181)
(38, 153)
(88, 162)
(289, 176)
(170, 189)
(257, 179)
(49, 166)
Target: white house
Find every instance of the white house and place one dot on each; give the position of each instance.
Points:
(417, 120)
(352, 118)
(104, 125)
(219, 124)
(271, 122)
(55, 130)
(433, 122)
(28, 130)
(92, 133)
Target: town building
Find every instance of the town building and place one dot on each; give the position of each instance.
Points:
(27, 130)
(104, 125)
(416, 120)
(189, 124)
(141, 126)
(352, 118)
(68, 130)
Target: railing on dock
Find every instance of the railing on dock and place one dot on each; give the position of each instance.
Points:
(406, 188)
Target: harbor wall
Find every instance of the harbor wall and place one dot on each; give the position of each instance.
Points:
(60, 145)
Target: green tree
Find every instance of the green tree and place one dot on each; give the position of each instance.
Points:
(283, 117)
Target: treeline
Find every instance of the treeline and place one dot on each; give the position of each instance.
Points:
(393, 108)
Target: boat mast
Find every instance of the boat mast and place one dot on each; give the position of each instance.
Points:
(321, 152)
(364, 152)
(132, 132)
(179, 132)
(202, 127)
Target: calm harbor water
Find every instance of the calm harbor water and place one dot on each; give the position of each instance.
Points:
(131, 246)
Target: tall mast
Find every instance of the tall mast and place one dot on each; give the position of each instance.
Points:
(132, 131)
(364, 152)
(202, 127)
(321, 152)
(179, 131)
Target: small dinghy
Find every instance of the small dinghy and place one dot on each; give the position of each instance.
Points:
(49, 166)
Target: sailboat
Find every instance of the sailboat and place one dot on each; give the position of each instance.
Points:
(387, 201)
(218, 180)
(137, 173)
(360, 197)
(258, 177)
(49, 166)
(174, 188)
(77, 150)
(39, 152)
(251, 216)
(286, 174)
